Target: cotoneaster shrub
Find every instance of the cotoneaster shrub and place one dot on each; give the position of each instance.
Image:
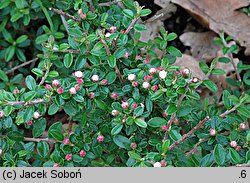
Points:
(125, 105)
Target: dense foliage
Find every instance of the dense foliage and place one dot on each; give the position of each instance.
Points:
(124, 104)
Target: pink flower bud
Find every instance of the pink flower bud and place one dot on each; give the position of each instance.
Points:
(165, 115)
(185, 72)
(114, 95)
(72, 91)
(29, 122)
(154, 88)
(1, 114)
(60, 90)
(100, 138)
(78, 74)
(152, 71)
(1, 152)
(126, 55)
(238, 148)
(66, 141)
(145, 85)
(145, 61)
(134, 106)
(95, 78)
(164, 127)
(114, 112)
(112, 29)
(55, 83)
(124, 105)
(162, 74)
(233, 143)
(77, 87)
(131, 77)
(68, 157)
(107, 35)
(16, 91)
(133, 145)
(91, 95)
(56, 165)
(104, 82)
(242, 126)
(82, 153)
(163, 163)
(159, 68)
(47, 86)
(79, 80)
(134, 84)
(36, 115)
(147, 77)
(79, 11)
(83, 16)
(212, 132)
(142, 105)
(138, 57)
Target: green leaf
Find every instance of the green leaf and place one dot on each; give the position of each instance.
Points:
(174, 51)
(175, 135)
(42, 148)
(3, 76)
(128, 13)
(37, 72)
(171, 109)
(219, 154)
(207, 161)
(235, 157)
(226, 100)
(53, 109)
(210, 85)
(101, 104)
(139, 111)
(10, 51)
(120, 52)
(29, 112)
(7, 110)
(55, 131)
(165, 146)
(53, 74)
(21, 39)
(122, 141)
(30, 82)
(111, 77)
(140, 27)
(41, 39)
(224, 60)
(68, 60)
(111, 61)
(77, 158)
(243, 111)
(145, 12)
(218, 72)
(39, 127)
(133, 155)
(15, 135)
(16, 16)
(20, 4)
(117, 129)
(157, 122)
(141, 123)
(171, 37)
(28, 96)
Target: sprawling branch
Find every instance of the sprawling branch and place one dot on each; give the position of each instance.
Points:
(21, 65)
(109, 3)
(38, 101)
(60, 12)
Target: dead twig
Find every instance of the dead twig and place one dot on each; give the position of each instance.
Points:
(21, 65)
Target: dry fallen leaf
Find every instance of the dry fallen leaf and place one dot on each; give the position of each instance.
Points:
(162, 3)
(202, 46)
(221, 15)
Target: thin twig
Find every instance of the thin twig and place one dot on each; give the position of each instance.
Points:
(109, 3)
(174, 114)
(243, 165)
(28, 139)
(21, 65)
(92, 8)
(185, 136)
(38, 101)
(196, 145)
(67, 51)
(131, 25)
(60, 12)
(116, 68)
